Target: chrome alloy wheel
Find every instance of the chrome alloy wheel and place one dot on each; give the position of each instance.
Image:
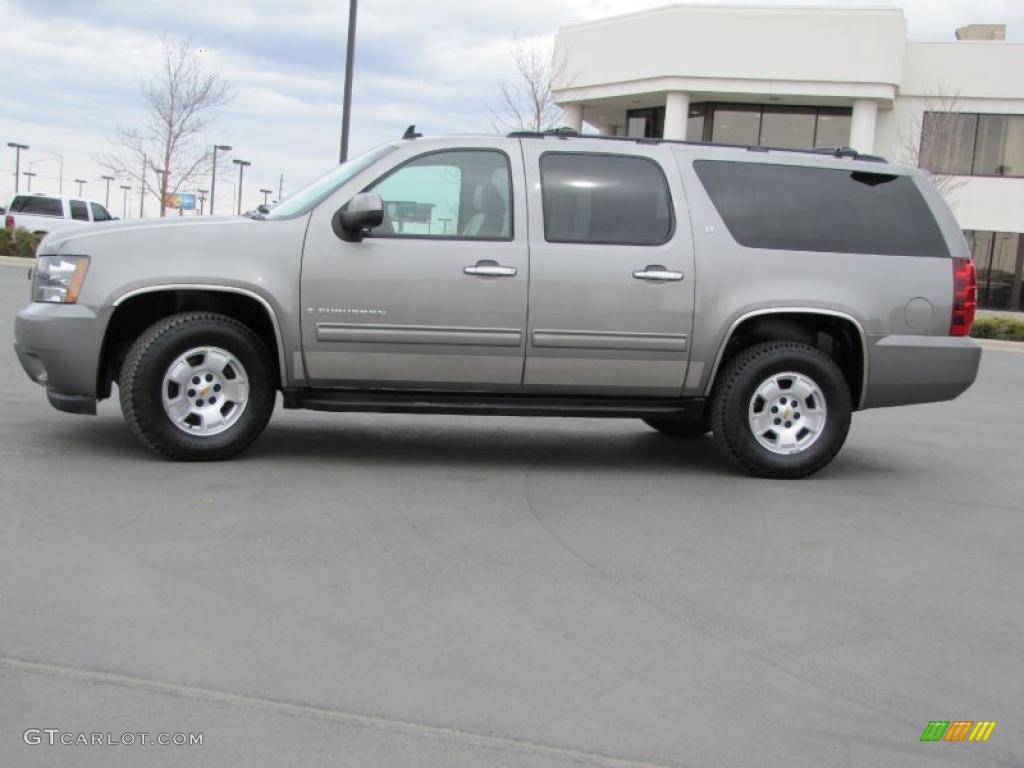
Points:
(787, 413)
(205, 391)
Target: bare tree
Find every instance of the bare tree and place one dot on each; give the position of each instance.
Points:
(180, 106)
(526, 103)
(927, 139)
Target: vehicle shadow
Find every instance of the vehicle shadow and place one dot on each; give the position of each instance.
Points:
(470, 442)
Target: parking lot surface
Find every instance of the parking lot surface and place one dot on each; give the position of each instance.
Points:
(371, 590)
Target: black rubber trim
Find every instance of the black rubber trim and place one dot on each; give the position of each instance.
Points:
(80, 404)
(394, 401)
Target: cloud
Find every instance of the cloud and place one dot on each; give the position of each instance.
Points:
(435, 64)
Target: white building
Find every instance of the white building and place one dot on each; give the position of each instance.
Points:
(825, 77)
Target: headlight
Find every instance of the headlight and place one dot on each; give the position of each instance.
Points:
(58, 279)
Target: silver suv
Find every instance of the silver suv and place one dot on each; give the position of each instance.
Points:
(762, 295)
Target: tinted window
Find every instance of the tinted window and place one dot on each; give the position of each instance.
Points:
(38, 205)
(821, 209)
(455, 194)
(79, 211)
(99, 213)
(616, 199)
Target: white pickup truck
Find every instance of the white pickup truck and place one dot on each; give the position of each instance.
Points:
(44, 214)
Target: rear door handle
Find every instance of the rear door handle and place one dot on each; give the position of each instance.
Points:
(657, 273)
(490, 269)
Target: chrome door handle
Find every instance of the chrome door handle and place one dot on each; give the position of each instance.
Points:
(490, 269)
(657, 272)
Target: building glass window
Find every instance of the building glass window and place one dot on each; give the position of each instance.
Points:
(788, 128)
(999, 259)
(968, 144)
(785, 127)
(736, 125)
(832, 128)
(695, 123)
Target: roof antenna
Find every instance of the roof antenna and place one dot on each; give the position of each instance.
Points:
(410, 133)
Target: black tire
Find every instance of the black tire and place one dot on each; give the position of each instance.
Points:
(680, 427)
(735, 388)
(141, 379)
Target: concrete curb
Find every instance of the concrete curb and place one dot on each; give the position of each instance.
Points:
(1003, 346)
(16, 261)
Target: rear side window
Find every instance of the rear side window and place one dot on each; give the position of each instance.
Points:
(79, 211)
(609, 199)
(99, 213)
(37, 205)
(798, 208)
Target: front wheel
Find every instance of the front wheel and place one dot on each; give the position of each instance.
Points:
(197, 386)
(781, 409)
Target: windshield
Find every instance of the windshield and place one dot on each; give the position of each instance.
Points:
(307, 197)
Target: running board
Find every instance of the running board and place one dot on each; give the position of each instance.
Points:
(394, 401)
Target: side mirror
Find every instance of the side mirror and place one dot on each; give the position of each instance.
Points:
(364, 211)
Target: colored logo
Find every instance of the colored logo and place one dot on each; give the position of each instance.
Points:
(958, 730)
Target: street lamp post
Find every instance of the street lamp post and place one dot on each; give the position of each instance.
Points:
(350, 56)
(126, 188)
(80, 183)
(213, 175)
(202, 199)
(266, 194)
(60, 179)
(108, 179)
(28, 175)
(241, 169)
(17, 160)
(161, 183)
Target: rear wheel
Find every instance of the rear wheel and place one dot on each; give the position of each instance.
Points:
(781, 409)
(678, 427)
(197, 386)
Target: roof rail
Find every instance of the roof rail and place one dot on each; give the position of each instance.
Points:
(571, 133)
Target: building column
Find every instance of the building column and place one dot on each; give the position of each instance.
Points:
(677, 110)
(862, 125)
(572, 117)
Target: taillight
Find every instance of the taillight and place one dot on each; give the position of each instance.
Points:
(9, 222)
(965, 297)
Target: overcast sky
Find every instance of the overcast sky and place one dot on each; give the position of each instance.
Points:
(72, 69)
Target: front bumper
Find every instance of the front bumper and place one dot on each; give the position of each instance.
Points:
(59, 347)
(919, 369)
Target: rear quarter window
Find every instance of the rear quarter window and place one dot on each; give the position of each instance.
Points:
(800, 208)
(37, 205)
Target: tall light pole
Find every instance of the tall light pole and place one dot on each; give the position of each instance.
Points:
(108, 179)
(161, 182)
(28, 175)
(213, 175)
(126, 188)
(241, 169)
(80, 183)
(202, 198)
(60, 179)
(266, 194)
(17, 160)
(350, 56)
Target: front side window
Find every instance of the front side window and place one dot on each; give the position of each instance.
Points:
(99, 213)
(37, 205)
(801, 208)
(609, 199)
(463, 193)
(79, 212)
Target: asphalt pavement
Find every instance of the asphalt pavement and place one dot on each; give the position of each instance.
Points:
(387, 590)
